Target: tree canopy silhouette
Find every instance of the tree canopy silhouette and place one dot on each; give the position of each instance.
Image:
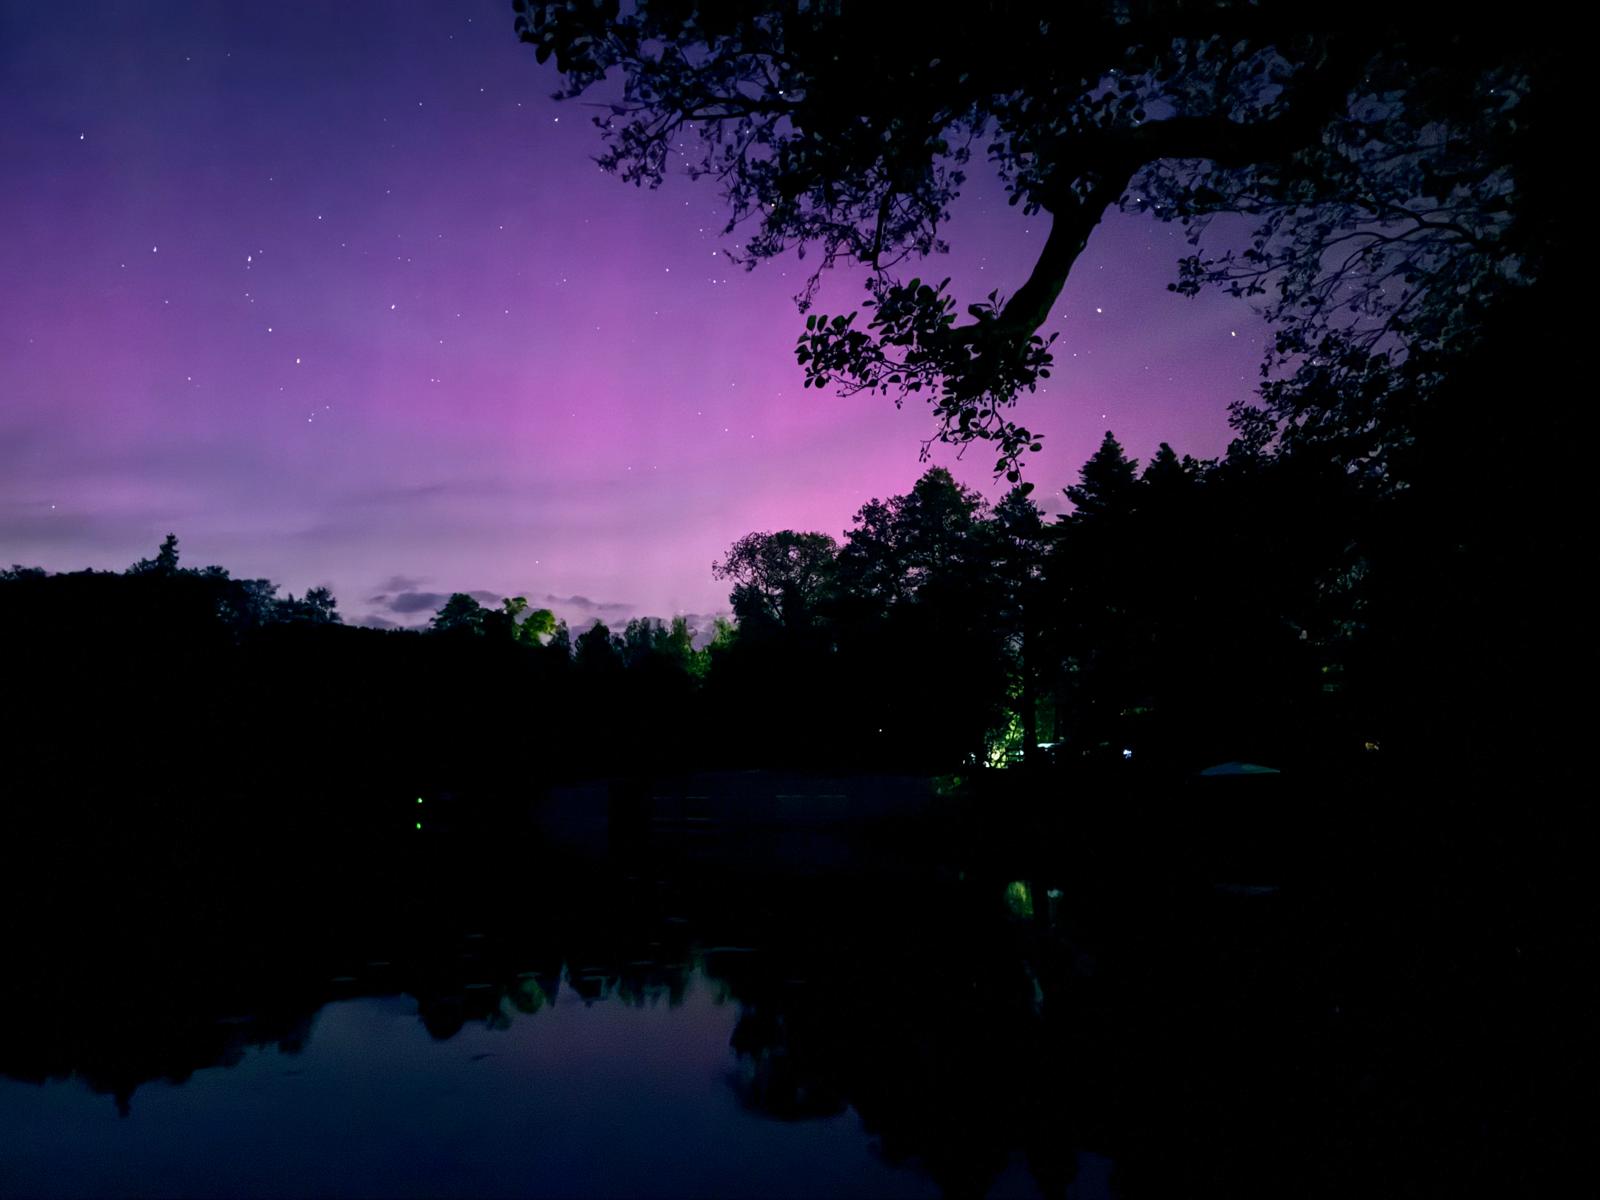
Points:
(164, 563)
(461, 614)
(777, 577)
(1105, 481)
(1396, 176)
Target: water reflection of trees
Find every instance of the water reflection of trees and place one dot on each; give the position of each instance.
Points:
(1196, 1039)
(126, 969)
(917, 1010)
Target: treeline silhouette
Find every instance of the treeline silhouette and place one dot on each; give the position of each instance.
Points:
(1266, 606)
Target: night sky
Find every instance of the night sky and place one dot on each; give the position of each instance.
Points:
(336, 293)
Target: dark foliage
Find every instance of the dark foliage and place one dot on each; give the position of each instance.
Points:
(1398, 177)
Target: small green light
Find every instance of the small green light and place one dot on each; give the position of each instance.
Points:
(419, 824)
(419, 799)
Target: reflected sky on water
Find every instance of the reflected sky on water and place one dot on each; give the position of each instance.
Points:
(596, 1098)
(775, 1012)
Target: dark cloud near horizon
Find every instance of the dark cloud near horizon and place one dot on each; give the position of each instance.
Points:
(402, 583)
(411, 602)
(584, 604)
(408, 599)
(430, 602)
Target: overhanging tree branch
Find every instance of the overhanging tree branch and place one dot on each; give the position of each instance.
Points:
(832, 126)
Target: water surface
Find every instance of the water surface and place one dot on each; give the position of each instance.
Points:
(691, 1009)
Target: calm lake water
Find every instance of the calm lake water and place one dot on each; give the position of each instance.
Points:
(687, 1009)
(594, 1098)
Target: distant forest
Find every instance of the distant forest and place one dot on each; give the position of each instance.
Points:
(1265, 606)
